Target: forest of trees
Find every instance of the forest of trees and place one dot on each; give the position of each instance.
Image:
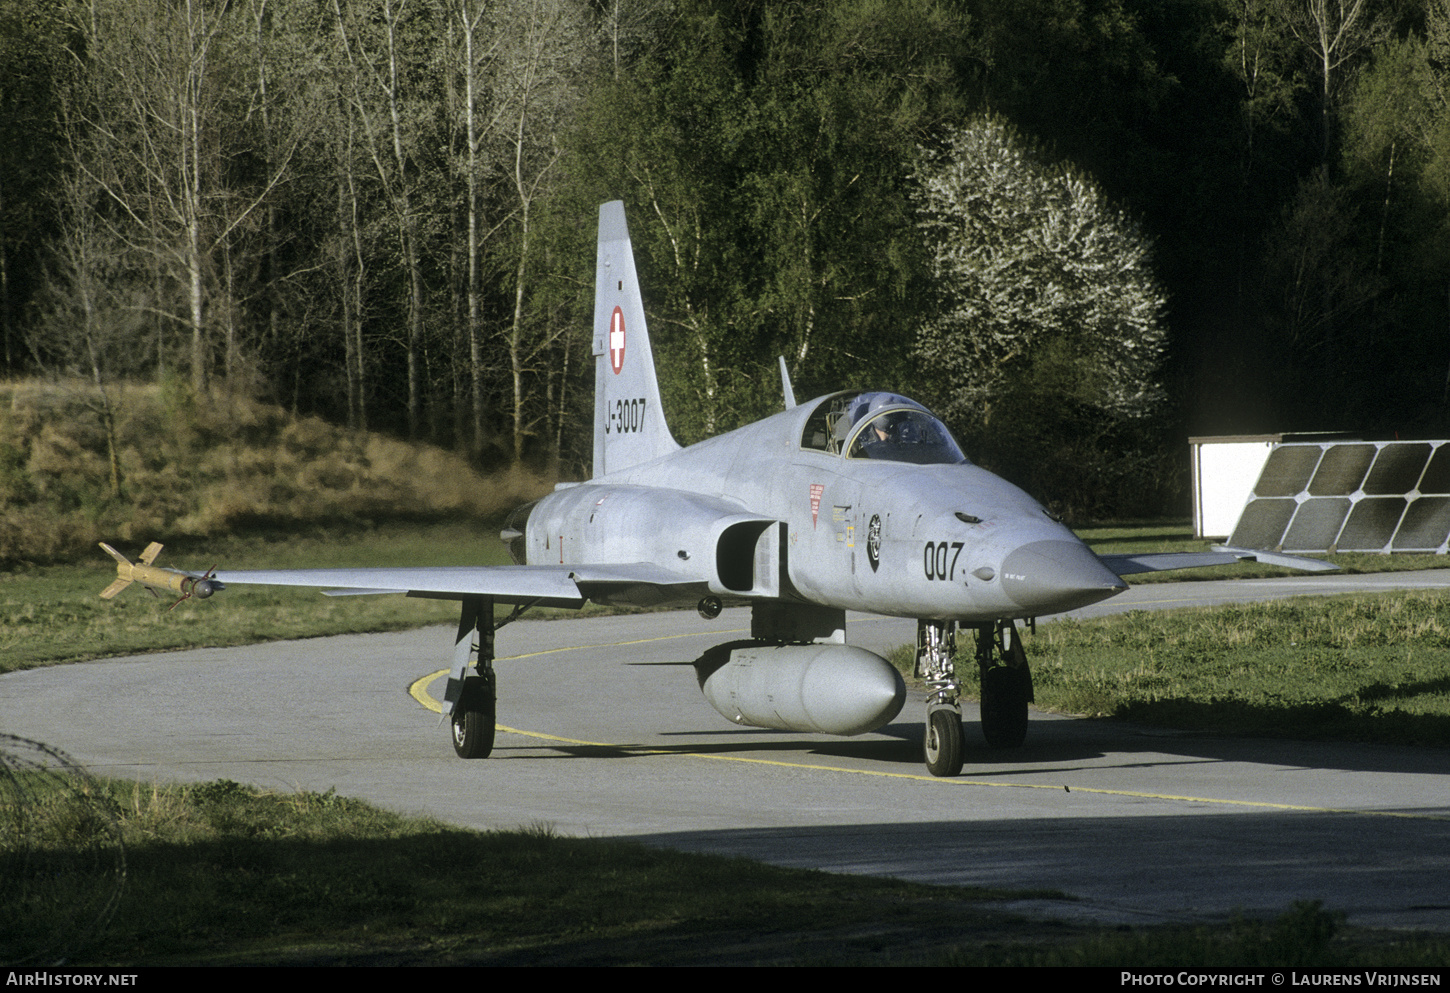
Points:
(382, 211)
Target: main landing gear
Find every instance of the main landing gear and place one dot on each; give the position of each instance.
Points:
(470, 701)
(1006, 690)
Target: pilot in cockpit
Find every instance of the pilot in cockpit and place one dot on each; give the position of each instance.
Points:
(886, 429)
(896, 435)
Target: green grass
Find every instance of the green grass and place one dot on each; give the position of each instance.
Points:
(222, 874)
(1361, 667)
(1372, 668)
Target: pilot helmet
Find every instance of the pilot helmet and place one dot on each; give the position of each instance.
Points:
(868, 403)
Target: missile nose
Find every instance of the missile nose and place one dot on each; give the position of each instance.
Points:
(1050, 576)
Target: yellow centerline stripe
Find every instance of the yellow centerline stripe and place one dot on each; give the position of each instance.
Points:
(418, 690)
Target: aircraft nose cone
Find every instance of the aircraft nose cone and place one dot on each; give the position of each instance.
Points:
(1050, 576)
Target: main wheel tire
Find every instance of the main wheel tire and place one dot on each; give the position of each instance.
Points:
(473, 720)
(943, 743)
(1004, 706)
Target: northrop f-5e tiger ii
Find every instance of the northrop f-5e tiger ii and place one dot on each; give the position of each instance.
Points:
(859, 500)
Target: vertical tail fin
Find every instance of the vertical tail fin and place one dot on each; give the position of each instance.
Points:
(629, 424)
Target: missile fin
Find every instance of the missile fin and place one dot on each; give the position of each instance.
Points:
(115, 554)
(114, 588)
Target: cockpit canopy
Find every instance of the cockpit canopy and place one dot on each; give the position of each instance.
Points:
(877, 425)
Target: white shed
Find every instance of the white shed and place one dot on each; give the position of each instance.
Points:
(1225, 469)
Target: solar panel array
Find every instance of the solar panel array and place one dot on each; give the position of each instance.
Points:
(1350, 496)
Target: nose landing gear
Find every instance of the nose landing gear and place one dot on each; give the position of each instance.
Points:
(936, 649)
(1006, 690)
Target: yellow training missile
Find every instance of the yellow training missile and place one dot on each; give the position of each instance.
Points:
(156, 579)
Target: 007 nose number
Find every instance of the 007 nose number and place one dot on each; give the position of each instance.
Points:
(939, 559)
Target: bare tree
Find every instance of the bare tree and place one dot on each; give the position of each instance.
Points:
(1261, 56)
(92, 326)
(542, 50)
(482, 117)
(380, 87)
(1334, 32)
(147, 132)
(628, 27)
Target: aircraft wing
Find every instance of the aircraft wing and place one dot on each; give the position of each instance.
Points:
(1128, 564)
(545, 585)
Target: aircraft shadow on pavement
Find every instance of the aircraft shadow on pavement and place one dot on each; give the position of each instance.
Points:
(1084, 743)
(1382, 871)
(891, 751)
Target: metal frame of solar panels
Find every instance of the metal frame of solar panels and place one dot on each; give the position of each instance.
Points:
(1350, 496)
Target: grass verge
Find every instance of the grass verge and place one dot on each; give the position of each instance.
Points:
(1372, 667)
(222, 874)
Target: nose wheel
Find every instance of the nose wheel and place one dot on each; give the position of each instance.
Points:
(943, 749)
(936, 648)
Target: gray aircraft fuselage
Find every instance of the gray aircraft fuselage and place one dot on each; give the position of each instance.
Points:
(758, 512)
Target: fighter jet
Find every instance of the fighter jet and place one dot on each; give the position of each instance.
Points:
(858, 500)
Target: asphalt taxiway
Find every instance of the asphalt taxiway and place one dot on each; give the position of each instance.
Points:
(603, 732)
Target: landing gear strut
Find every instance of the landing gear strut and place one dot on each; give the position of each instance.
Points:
(471, 699)
(1006, 690)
